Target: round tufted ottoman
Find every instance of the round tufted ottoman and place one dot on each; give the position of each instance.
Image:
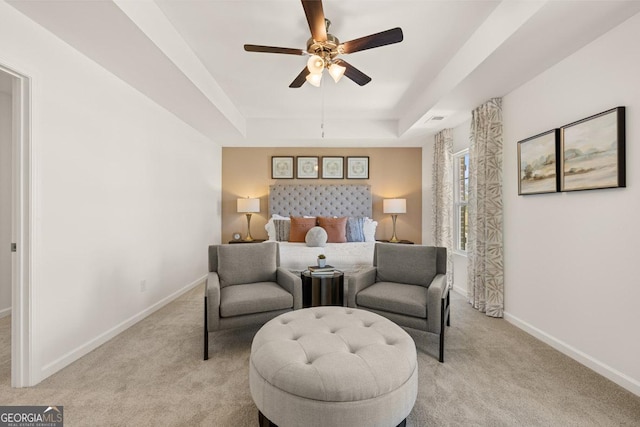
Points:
(331, 366)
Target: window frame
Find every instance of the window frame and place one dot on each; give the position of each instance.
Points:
(457, 203)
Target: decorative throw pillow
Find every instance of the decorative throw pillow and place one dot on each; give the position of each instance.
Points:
(271, 227)
(355, 232)
(336, 228)
(283, 228)
(299, 228)
(316, 237)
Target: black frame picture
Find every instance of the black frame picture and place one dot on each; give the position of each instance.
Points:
(333, 167)
(593, 152)
(358, 167)
(538, 163)
(282, 167)
(307, 167)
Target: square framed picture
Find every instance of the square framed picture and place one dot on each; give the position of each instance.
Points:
(282, 167)
(538, 163)
(307, 167)
(357, 167)
(333, 167)
(593, 152)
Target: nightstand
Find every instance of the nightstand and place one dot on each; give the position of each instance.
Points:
(247, 241)
(402, 242)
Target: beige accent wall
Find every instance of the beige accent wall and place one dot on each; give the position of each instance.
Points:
(393, 172)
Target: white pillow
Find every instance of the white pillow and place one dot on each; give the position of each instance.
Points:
(369, 229)
(271, 229)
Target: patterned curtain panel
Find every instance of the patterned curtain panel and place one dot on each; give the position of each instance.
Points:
(485, 249)
(443, 196)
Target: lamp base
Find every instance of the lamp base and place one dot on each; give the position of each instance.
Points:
(394, 238)
(248, 238)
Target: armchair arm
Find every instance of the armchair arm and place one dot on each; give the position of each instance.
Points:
(291, 283)
(213, 301)
(437, 291)
(358, 282)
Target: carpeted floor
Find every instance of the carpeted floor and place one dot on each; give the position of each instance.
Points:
(153, 375)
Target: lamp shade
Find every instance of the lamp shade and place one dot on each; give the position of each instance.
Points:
(314, 79)
(394, 206)
(315, 64)
(248, 205)
(336, 71)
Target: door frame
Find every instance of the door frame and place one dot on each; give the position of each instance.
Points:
(21, 231)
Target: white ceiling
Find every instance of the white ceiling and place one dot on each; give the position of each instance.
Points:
(188, 56)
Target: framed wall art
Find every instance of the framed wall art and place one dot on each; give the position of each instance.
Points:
(307, 167)
(538, 163)
(333, 167)
(593, 152)
(282, 167)
(357, 167)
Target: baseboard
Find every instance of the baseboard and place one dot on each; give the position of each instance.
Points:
(606, 371)
(80, 351)
(460, 290)
(5, 312)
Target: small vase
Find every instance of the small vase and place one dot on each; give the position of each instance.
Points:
(322, 262)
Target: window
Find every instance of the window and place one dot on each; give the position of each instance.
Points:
(460, 199)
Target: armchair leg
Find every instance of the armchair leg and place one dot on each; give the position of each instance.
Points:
(206, 331)
(448, 310)
(444, 319)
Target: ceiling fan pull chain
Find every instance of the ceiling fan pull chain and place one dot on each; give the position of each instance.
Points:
(322, 110)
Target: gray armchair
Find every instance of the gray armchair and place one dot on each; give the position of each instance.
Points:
(247, 286)
(407, 284)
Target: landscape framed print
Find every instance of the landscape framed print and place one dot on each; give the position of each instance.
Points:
(593, 152)
(307, 167)
(282, 167)
(332, 167)
(357, 167)
(538, 164)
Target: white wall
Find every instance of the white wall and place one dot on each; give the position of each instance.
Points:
(124, 193)
(571, 274)
(5, 203)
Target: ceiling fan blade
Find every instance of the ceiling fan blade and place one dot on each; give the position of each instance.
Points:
(315, 18)
(353, 73)
(384, 38)
(301, 79)
(272, 49)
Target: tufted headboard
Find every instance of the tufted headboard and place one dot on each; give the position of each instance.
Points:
(320, 200)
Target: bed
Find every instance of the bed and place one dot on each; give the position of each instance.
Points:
(339, 200)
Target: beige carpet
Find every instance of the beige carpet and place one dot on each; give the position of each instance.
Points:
(153, 375)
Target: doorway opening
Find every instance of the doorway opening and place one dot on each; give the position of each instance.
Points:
(15, 223)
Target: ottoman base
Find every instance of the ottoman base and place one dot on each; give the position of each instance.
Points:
(264, 421)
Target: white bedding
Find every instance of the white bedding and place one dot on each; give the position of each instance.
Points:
(348, 257)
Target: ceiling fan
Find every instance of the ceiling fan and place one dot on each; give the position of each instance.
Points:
(324, 48)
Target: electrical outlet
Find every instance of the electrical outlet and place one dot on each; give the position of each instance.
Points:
(143, 285)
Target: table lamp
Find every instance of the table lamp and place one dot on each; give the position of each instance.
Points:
(248, 206)
(394, 207)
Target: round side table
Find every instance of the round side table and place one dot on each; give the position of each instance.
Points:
(320, 290)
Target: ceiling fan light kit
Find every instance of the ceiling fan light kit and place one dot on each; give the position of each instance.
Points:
(315, 64)
(336, 71)
(323, 49)
(314, 78)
